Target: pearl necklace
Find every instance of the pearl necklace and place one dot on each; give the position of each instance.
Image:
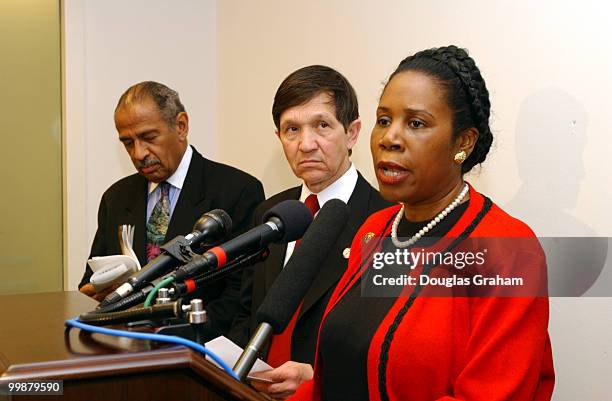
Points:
(429, 226)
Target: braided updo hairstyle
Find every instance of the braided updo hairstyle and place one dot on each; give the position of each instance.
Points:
(466, 93)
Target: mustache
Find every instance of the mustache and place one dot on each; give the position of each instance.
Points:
(147, 162)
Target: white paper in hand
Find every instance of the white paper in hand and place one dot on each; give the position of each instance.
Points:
(115, 269)
(126, 241)
(108, 270)
(229, 352)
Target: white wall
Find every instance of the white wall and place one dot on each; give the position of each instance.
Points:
(524, 49)
(108, 46)
(547, 65)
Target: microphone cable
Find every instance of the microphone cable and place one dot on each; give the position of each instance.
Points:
(153, 337)
(161, 284)
(127, 302)
(156, 312)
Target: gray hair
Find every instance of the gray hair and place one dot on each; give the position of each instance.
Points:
(166, 99)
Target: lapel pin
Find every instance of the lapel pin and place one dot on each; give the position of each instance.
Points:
(346, 253)
(368, 237)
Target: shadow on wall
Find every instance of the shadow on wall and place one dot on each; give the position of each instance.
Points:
(551, 136)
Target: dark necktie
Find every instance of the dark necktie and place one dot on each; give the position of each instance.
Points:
(157, 226)
(280, 345)
(312, 202)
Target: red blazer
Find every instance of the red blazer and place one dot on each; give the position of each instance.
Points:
(455, 348)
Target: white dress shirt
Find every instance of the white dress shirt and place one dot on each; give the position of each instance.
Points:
(341, 189)
(176, 182)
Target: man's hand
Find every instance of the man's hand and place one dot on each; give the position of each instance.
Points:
(88, 289)
(287, 378)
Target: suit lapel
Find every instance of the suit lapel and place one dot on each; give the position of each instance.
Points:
(137, 210)
(274, 263)
(335, 265)
(192, 201)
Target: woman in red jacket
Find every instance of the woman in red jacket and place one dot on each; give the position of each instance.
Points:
(432, 127)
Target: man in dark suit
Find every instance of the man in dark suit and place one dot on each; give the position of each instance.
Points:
(317, 121)
(174, 186)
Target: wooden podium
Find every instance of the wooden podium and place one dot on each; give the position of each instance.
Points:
(35, 345)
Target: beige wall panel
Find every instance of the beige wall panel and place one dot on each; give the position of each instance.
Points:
(30, 155)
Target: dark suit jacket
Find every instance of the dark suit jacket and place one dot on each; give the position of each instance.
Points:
(208, 185)
(257, 280)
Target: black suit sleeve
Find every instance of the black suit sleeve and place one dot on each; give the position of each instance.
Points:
(249, 199)
(222, 310)
(98, 247)
(241, 327)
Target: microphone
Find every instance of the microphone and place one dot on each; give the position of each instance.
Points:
(285, 222)
(209, 229)
(181, 288)
(290, 287)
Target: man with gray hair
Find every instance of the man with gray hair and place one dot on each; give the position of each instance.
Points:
(174, 186)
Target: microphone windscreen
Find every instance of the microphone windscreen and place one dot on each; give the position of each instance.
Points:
(297, 276)
(295, 216)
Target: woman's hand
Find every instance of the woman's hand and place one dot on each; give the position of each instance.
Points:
(287, 378)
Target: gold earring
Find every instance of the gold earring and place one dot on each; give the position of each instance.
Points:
(460, 157)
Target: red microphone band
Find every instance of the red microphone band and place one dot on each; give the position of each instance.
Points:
(191, 285)
(220, 255)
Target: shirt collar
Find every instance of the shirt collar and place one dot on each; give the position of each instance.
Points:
(341, 189)
(178, 178)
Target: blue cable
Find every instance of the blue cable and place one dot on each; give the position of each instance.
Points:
(154, 337)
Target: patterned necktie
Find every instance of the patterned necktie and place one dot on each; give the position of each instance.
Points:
(280, 345)
(157, 226)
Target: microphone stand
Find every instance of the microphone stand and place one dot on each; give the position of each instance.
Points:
(186, 330)
(179, 248)
(174, 322)
(180, 289)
